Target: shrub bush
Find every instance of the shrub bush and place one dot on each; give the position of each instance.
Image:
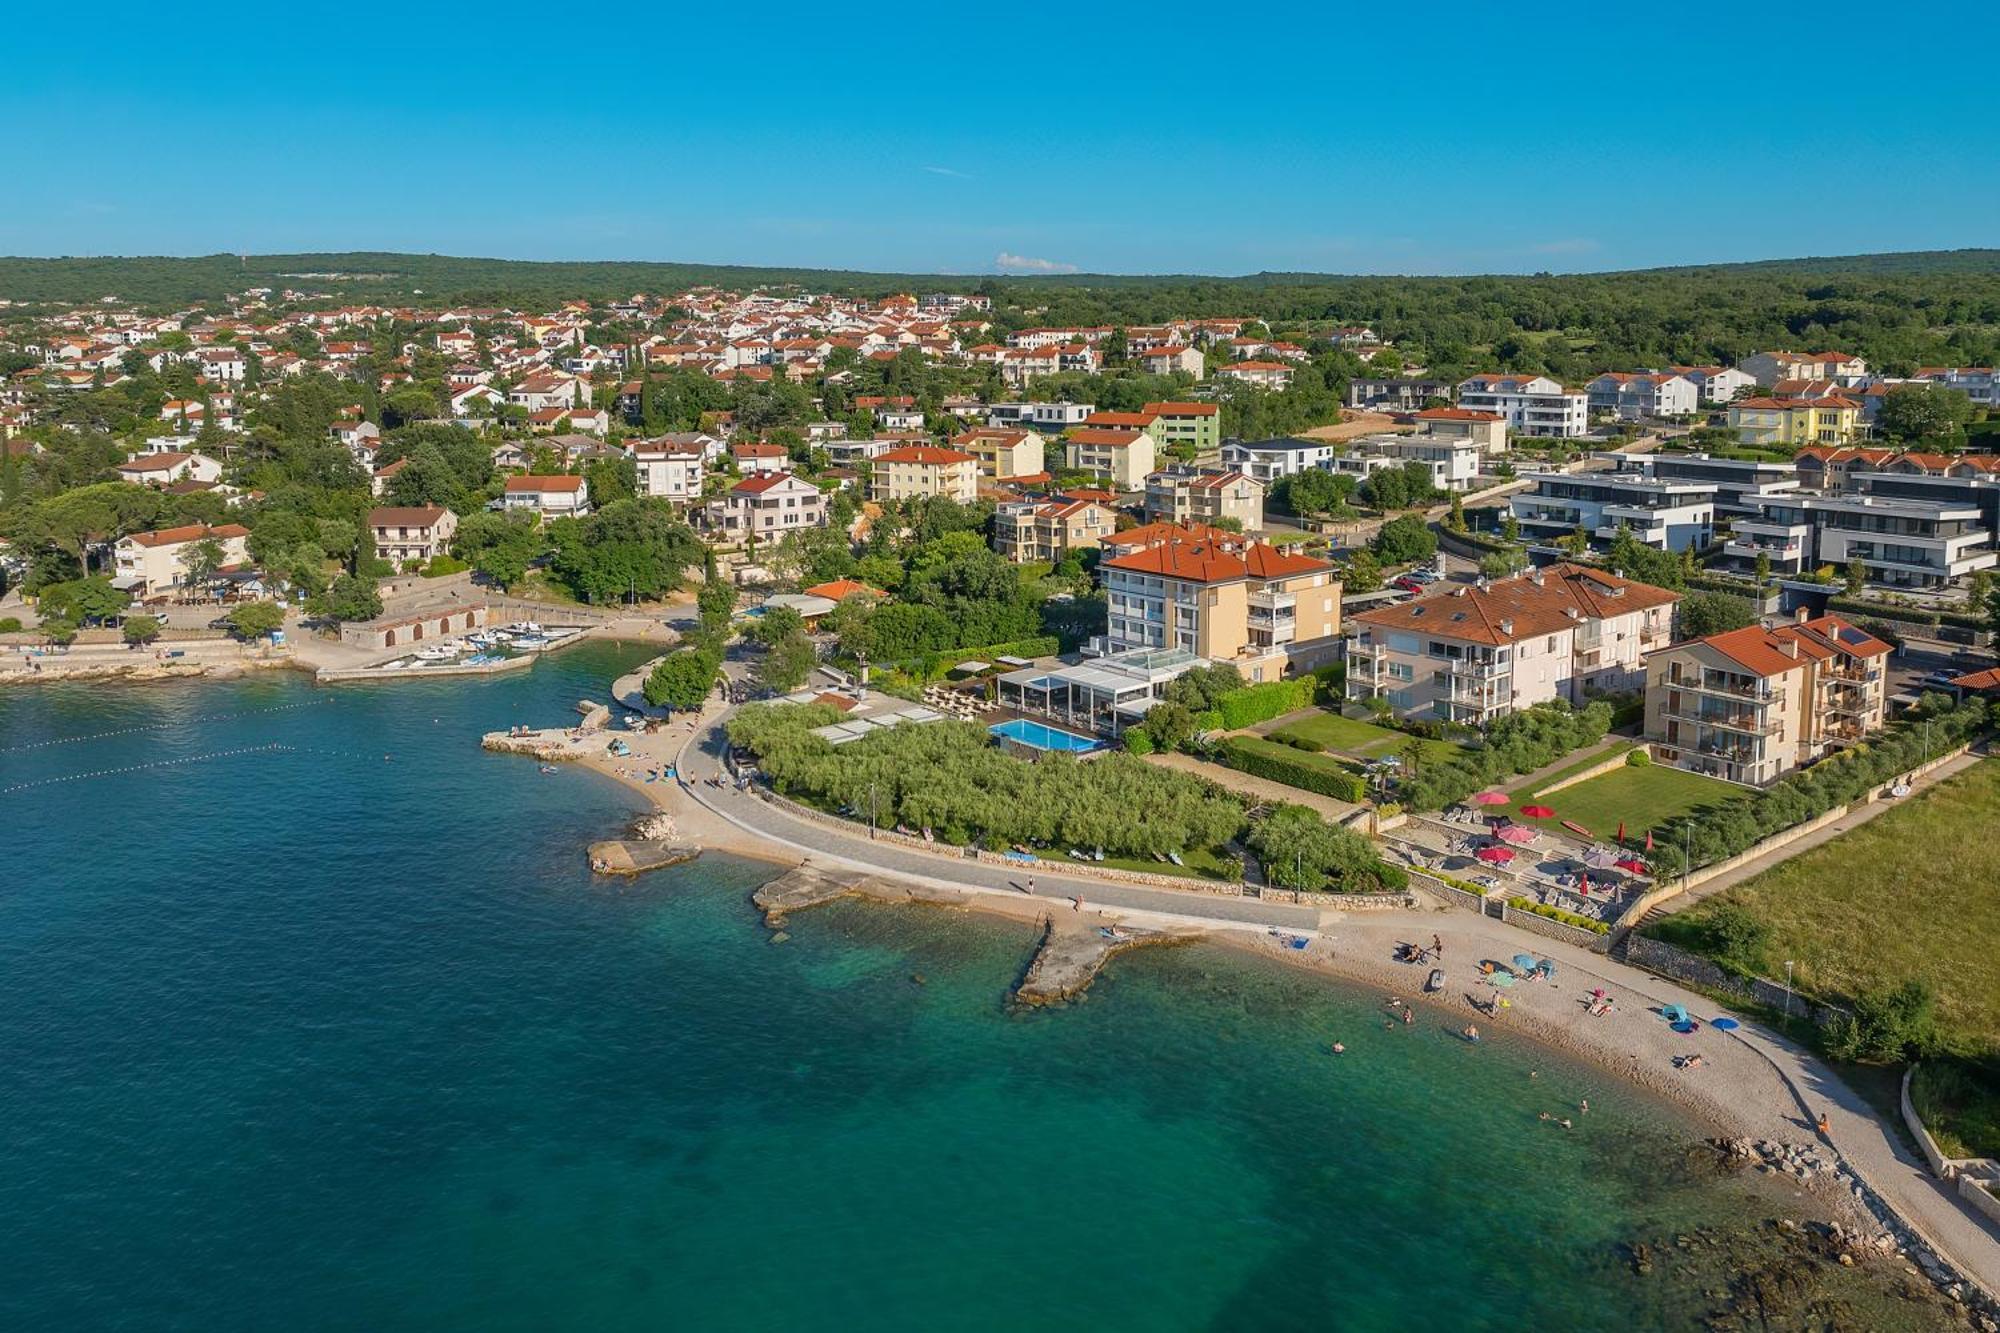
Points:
(1138, 741)
(1590, 924)
(1266, 759)
(10, 625)
(1261, 703)
(1518, 743)
(443, 565)
(1639, 758)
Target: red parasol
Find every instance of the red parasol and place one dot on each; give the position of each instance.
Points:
(1632, 865)
(1621, 831)
(1515, 833)
(1490, 798)
(1498, 856)
(1538, 812)
(1649, 840)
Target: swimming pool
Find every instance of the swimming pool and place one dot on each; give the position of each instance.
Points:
(1041, 736)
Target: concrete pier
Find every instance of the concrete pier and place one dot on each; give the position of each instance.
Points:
(619, 856)
(1072, 953)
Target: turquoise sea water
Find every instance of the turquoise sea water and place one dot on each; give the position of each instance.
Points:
(343, 1035)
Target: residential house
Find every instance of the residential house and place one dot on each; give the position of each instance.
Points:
(767, 506)
(1046, 417)
(1752, 704)
(1195, 426)
(169, 466)
(1531, 404)
(542, 391)
(924, 470)
(668, 471)
(1122, 457)
(1261, 609)
(1829, 468)
(1171, 358)
(476, 399)
(1002, 452)
(1395, 393)
(1901, 541)
(1026, 531)
(1473, 653)
(1789, 422)
(1487, 430)
(1268, 460)
(760, 460)
(552, 497)
(1767, 368)
(1738, 483)
(1979, 383)
(150, 563)
(1716, 384)
(380, 479)
(360, 438)
(1204, 495)
(1668, 515)
(1261, 374)
(412, 533)
(1643, 397)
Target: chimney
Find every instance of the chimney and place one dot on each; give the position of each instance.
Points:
(1535, 576)
(1789, 647)
(1506, 627)
(1802, 615)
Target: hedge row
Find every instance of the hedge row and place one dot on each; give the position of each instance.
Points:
(1590, 924)
(1278, 763)
(1910, 614)
(1261, 703)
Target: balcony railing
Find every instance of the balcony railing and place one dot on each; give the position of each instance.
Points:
(1749, 721)
(1745, 690)
(1270, 600)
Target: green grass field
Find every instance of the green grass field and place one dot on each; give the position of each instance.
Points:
(1362, 740)
(1643, 798)
(1201, 863)
(1914, 892)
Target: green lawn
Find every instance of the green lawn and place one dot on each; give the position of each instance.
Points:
(1201, 863)
(1914, 892)
(1643, 798)
(1522, 792)
(1362, 740)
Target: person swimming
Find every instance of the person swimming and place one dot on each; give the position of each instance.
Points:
(1339, 1048)
(1470, 1032)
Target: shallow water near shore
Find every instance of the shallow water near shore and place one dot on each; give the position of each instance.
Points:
(344, 1035)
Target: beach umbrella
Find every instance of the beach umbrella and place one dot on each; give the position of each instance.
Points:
(1538, 812)
(1498, 856)
(1631, 865)
(1724, 1024)
(1490, 798)
(1597, 993)
(1649, 840)
(1600, 858)
(1621, 831)
(1517, 834)
(1501, 978)
(1524, 962)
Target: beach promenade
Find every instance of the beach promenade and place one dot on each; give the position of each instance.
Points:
(1751, 1083)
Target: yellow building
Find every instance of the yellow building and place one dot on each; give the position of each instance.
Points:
(923, 469)
(1122, 457)
(1795, 422)
(1259, 608)
(1002, 452)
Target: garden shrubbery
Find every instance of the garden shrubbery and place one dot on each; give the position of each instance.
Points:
(1518, 743)
(1268, 759)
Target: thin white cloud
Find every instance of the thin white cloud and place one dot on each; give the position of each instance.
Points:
(1028, 264)
(947, 171)
(1573, 245)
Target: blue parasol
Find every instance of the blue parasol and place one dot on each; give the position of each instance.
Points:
(1524, 962)
(1723, 1024)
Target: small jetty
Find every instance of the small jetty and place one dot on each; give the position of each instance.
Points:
(1073, 953)
(619, 856)
(806, 886)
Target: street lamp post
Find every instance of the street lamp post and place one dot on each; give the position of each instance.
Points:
(1788, 988)
(871, 811)
(1687, 854)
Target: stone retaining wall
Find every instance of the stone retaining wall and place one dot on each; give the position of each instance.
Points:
(1360, 902)
(1974, 1169)
(1451, 894)
(1974, 1192)
(1677, 963)
(1555, 930)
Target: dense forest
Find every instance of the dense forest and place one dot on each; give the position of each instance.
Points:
(1898, 310)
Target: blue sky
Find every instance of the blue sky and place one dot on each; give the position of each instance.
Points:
(945, 138)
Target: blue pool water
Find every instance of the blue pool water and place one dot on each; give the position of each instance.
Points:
(1042, 736)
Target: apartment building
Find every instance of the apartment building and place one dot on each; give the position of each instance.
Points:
(1002, 452)
(1752, 704)
(1029, 530)
(1488, 430)
(1738, 484)
(1197, 426)
(411, 533)
(1767, 368)
(1044, 417)
(1645, 396)
(1169, 358)
(668, 471)
(1531, 404)
(1715, 384)
(921, 470)
(1261, 609)
(1204, 495)
(1902, 542)
(1979, 383)
(1122, 457)
(1827, 468)
(149, 563)
(1473, 653)
(1790, 422)
(1395, 394)
(1453, 462)
(1267, 460)
(766, 506)
(1669, 515)
(1261, 374)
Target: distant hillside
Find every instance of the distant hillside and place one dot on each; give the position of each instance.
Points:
(375, 276)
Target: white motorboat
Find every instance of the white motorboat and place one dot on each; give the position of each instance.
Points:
(438, 652)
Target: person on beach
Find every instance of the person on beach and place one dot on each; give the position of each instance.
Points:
(1409, 1015)
(1076, 903)
(1031, 885)
(1437, 947)
(1825, 1130)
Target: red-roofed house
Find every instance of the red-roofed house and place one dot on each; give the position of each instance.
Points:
(552, 497)
(1256, 607)
(922, 470)
(1475, 653)
(1749, 705)
(766, 506)
(1123, 456)
(1195, 425)
(154, 562)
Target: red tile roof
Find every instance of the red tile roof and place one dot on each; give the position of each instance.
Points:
(1183, 409)
(841, 589)
(558, 485)
(1520, 608)
(1110, 439)
(192, 532)
(927, 454)
(422, 516)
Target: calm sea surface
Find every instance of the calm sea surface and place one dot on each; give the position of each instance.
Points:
(342, 1035)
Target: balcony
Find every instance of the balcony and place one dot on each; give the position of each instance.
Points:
(1268, 599)
(1749, 721)
(1718, 685)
